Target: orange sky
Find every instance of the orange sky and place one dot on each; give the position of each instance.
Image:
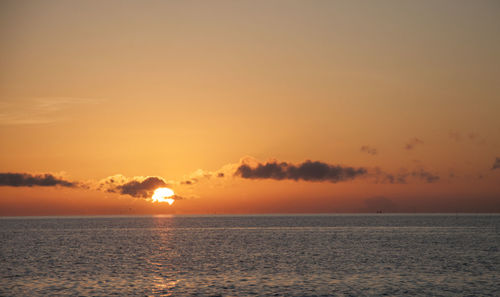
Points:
(92, 89)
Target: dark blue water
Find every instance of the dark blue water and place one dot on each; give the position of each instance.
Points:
(358, 255)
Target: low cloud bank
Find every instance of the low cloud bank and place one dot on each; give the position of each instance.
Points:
(247, 168)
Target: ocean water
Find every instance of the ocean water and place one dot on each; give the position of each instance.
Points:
(310, 255)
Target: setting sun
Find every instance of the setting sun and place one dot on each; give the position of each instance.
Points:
(162, 195)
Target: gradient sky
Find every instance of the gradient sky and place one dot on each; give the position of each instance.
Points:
(186, 90)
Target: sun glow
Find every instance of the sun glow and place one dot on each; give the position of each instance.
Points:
(162, 195)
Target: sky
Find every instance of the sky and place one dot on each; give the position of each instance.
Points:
(247, 107)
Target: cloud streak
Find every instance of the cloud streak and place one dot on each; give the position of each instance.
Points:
(307, 171)
(30, 180)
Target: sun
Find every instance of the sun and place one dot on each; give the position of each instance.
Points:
(162, 195)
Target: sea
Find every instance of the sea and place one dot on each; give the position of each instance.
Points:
(260, 255)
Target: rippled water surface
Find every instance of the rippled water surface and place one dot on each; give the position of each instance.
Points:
(358, 255)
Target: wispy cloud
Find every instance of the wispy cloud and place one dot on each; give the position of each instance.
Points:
(425, 176)
(403, 177)
(201, 175)
(472, 137)
(369, 150)
(412, 143)
(38, 110)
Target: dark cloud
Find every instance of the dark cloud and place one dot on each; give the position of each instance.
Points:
(308, 171)
(140, 188)
(369, 150)
(30, 180)
(496, 164)
(413, 143)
